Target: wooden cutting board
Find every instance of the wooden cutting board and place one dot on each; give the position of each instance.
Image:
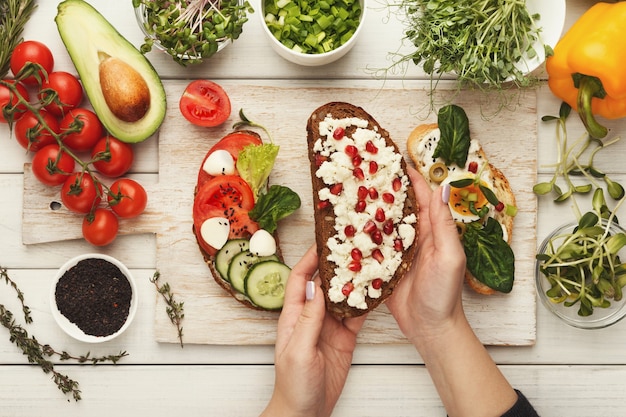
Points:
(213, 317)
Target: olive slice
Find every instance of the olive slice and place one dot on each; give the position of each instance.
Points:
(438, 172)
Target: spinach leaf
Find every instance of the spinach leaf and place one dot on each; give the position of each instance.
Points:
(489, 257)
(277, 203)
(454, 143)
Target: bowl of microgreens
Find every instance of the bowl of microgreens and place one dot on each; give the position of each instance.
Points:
(190, 30)
(580, 272)
(312, 33)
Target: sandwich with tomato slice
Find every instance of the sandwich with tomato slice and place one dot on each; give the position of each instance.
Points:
(235, 215)
(481, 200)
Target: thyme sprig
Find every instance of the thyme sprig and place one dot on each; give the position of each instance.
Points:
(38, 353)
(13, 16)
(174, 309)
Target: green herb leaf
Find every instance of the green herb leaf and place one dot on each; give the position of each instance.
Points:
(255, 163)
(276, 204)
(453, 146)
(13, 16)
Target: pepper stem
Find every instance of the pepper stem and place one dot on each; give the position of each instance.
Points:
(589, 87)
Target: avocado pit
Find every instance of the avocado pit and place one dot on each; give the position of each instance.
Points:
(125, 91)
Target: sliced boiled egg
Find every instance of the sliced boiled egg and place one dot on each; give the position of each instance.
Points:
(219, 162)
(262, 243)
(462, 199)
(215, 231)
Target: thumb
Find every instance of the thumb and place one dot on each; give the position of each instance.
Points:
(445, 234)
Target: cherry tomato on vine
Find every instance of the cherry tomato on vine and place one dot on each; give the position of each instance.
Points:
(31, 134)
(80, 193)
(31, 51)
(100, 227)
(7, 97)
(68, 88)
(120, 160)
(48, 157)
(127, 198)
(205, 103)
(88, 135)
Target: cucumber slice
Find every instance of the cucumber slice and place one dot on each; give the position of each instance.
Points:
(227, 253)
(265, 284)
(239, 266)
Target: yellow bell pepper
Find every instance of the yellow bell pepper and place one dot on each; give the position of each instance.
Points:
(588, 68)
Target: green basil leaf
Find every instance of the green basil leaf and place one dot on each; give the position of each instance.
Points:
(489, 257)
(454, 143)
(276, 204)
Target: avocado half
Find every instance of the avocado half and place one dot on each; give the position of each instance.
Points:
(88, 36)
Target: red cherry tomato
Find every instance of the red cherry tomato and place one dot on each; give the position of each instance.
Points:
(233, 143)
(226, 196)
(90, 129)
(31, 51)
(8, 97)
(205, 103)
(101, 227)
(68, 88)
(127, 198)
(50, 156)
(80, 193)
(120, 159)
(31, 134)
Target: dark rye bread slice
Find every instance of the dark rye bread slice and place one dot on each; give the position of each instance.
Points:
(502, 189)
(325, 219)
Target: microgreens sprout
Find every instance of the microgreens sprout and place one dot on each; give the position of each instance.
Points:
(190, 30)
(583, 266)
(569, 165)
(245, 122)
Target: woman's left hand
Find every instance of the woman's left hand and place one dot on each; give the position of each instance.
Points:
(313, 349)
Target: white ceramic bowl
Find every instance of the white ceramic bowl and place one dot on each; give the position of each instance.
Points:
(73, 329)
(601, 317)
(312, 59)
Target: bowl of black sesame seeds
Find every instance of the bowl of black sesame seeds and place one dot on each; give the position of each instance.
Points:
(93, 298)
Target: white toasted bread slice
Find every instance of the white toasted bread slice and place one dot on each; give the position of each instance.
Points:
(421, 144)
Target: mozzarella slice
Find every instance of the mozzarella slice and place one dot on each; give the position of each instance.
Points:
(215, 231)
(220, 162)
(262, 243)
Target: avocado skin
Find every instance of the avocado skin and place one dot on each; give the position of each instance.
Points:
(87, 36)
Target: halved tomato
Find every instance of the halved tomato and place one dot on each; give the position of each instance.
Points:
(226, 196)
(205, 103)
(233, 143)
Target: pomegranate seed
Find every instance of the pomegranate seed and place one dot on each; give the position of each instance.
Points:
(396, 184)
(356, 254)
(370, 147)
(351, 151)
(380, 215)
(473, 167)
(398, 245)
(319, 160)
(378, 255)
(356, 161)
(369, 227)
(358, 173)
(349, 230)
(360, 206)
(354, 266)
(373, 167)
(373, 193)
(323, 204)
(347, 288)
(377, 283)
(388, 227)
(362, 193)
(388, 198)
(500, 206)
(339, 133)
(336, 189)
(377, 237)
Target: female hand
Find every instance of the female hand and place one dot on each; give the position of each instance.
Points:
(313, 350)
(429, 296)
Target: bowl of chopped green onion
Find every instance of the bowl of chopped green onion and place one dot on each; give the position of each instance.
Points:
(580, 272)
(190, 30)
(312, 33)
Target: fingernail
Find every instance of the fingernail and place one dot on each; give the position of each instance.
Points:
(310, 290)
(445, 193)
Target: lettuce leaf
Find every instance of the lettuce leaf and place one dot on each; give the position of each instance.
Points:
(254, 163)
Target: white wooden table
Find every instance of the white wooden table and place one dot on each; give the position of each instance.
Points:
(565, 372)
